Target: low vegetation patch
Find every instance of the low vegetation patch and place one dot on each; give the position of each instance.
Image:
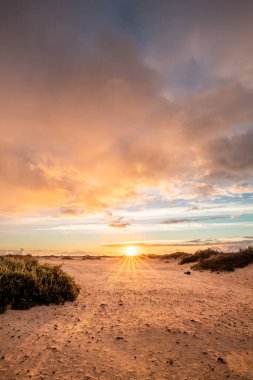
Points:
(25, 283)
(226, 261)
(175, 255)
(201, 254)
(91, 257)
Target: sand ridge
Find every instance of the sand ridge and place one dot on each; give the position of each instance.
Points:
(135, 319)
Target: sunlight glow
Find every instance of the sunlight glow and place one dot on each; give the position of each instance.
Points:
(131, 251)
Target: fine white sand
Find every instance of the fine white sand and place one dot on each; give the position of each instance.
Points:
(135, 319)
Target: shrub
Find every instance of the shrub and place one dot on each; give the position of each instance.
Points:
(88, 257)
(175, 255)
(226, 261)
(201, 254)
(25, 283)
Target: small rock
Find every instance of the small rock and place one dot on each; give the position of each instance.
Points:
(221, 360)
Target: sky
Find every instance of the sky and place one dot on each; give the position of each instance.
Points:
(126, 122)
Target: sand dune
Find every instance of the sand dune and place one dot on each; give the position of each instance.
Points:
(135, 319)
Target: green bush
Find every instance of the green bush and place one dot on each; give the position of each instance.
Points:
(201, 254)
(25, 283)
(226, 261)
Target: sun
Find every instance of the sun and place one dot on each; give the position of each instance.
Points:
(131, 251)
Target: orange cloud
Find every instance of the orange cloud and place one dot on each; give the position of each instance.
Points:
(87, 130)
(119, 223)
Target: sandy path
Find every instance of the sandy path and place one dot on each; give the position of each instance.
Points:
(141, 319)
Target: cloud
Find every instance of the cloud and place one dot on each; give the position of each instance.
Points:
(216, 35)
(193, 243)
(232, 157)
(193, 220)
(90, 117)
(204, 241)
(202, 207)
(71, 211)
(117, 222)
(176, 221)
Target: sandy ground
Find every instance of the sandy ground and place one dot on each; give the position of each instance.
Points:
(135, 319)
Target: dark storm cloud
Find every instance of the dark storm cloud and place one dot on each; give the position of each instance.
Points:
(232, 155)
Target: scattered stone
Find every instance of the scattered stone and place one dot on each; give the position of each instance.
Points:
(188, 272)
(221, 360)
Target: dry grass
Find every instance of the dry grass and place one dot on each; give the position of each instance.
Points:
(25, 283)
(226, 261)
(199, 255)
(175, 256)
